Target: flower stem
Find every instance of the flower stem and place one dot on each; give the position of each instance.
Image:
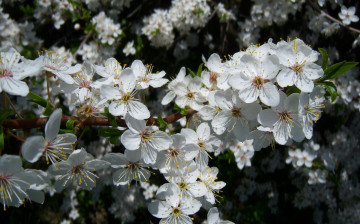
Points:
(12, 105)
(15, 136)
(4, 100)
(48, 87)
(81, 135)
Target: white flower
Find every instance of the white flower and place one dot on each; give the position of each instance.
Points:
(187, 182)
(253, 82)
(122, 97)
(172, 208)
(180, 78)
(200, 143)
(217, 76)
(110, 72)
(77, 170)
(298, 67)
(146, 138)
(190, 94)
(131, 167)
(283, 119)
(15, 183)
(54, 147)
(243, 152)
(317, 177)
(129, 48)
(305, 158)
(58, 65)
(11, 71)
(214, 218)
(145, 76)
(347, 15)
(209, 176)
(310, 108)
(235, 114)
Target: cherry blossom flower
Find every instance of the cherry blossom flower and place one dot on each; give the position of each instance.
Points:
(172, 208)
(148, 139)
(54, 147)
(214, 218)
(145, 76)
(298, 67)
(77, 170)
(130, 167)
(347, 15)
(253, 82)
(122, 97)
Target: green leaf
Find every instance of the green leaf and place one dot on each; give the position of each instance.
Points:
(330, 88)
(162, 124)
(114, 140)
(199, 69)
(48, 109)
(177, 108)
(109, 132)
(112, 119)
(337, 69)
(64, 131)
(37, 99)
(183, 112)
(2, 144)
(70, 124)
(191, 72)
(292, 89)
(325, 58)
(5, 114)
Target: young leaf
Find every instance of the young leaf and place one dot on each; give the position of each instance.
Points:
(48, 109)
(162, 124)
(199, 69)
(70, 124)
(5, 114)
(64, 131)
(191, 72)
(112, 119)
(325, 58)
(37, 99)
(109, 132)
(337, 69)
(330, 88)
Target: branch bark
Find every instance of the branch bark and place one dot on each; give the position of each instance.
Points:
(91, 121)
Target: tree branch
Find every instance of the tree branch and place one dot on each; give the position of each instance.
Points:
(91, 121)
(316, 8)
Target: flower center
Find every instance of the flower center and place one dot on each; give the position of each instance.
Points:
(126, 97)
(190, 95)
(258, 82)
(213, 77)
(77, 169)
(145, 136)
(297, 68)
(133, 165)
(236, 112)
(87, 110)
(173, 152)
(4, 73)
(85, 84)
(285, 116)
(182, 185)
(176, 211)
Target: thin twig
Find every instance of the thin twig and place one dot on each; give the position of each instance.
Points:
(12, 105)
(328, 16)
(15, 136)
(48, 87)
(82, 43)
(81, 135)
(4, 100)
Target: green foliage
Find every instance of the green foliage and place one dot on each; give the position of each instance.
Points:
(5, 114)
(112, 119)
(111, 133)
(325, 58)
(337, 69)
(162, 124)
(42, 102)
(182, 111)
(330, 88)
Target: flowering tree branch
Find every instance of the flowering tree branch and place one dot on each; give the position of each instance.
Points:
(91, 121)
(326, 15)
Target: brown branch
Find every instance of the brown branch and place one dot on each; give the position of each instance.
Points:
(92, 121)
(322, 12)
